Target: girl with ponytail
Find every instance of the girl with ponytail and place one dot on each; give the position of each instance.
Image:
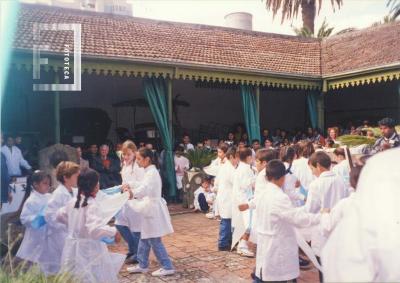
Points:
(85, 254)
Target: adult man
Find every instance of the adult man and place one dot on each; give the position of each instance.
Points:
(389, 139)
(108, 167)
(91, 154)
(14, 158)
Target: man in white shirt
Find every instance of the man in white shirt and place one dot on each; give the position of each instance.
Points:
(14, 158)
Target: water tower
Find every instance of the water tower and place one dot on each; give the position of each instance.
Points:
(239, 20)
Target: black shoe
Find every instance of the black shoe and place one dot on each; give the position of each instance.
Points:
(224, 249)
(128, 255)
(131, 260)
(304, 264)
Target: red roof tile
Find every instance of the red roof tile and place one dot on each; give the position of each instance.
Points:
(363, 49)
(107, 35)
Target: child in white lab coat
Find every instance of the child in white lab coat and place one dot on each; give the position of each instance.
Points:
(277, 249)
(85, 254)
(291, 187)
(243, 191)
(324, 193)
(128, 222)
(33, 246)
(343, 166)
(67, 173)
(224, 186)
(330, 220)
(263, 156)
(300, 166)
(156, 221)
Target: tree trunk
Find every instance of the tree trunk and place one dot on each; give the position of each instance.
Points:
(308, 14)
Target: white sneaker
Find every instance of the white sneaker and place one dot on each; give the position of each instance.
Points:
(163, 272)
(210, 215)
(137, 269)
(245, 252)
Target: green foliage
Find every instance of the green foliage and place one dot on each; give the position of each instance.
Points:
(394, 6)
(200, 158)
(377, 131)
(354, 140)
(323, 31)
(25, 272)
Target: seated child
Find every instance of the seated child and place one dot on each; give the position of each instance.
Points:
(204, 197)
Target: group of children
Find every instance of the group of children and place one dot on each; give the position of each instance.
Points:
(279, 200)
(68, 230)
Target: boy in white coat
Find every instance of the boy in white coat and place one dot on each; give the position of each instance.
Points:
(156, 221)
(243, 191)
(324, 193)
(67, 175)
(277, 249)
(224, 185)
(33, 247)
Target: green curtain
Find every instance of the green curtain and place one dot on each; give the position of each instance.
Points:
(154, 90)
(8, 23)
(312, 109)
(250, 110)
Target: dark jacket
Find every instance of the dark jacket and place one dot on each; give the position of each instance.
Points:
(111, 176)
(5, 180)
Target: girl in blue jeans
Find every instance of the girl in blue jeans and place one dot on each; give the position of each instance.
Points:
(156, 221)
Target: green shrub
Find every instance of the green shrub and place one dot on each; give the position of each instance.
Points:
(199, 158)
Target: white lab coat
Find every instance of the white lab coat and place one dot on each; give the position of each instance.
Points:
(324, 192)
(243, 184)
(224, 186)
(365, 246)
(127, 216)
(33, 247)
(343, 170)
(57, 232)
(303, 172)
(84, 254)
(156, 221)
(330, 220)
(259, 189)
(289, 187)
(14, 160)
(277, 250)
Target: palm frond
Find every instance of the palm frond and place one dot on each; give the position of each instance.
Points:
(394, 6)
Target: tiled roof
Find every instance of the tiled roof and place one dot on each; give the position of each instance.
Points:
(107, 35)
(362, 49)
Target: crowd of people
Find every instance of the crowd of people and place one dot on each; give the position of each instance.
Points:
(278, 197)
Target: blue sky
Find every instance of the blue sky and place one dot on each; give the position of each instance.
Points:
(353, 13)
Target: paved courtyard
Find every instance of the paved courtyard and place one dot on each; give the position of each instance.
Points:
(193, 248)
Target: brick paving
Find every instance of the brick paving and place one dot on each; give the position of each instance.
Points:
(193, 249)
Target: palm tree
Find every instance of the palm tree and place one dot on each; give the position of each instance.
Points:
(323, 31)
(290, 9)
(394, 8)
